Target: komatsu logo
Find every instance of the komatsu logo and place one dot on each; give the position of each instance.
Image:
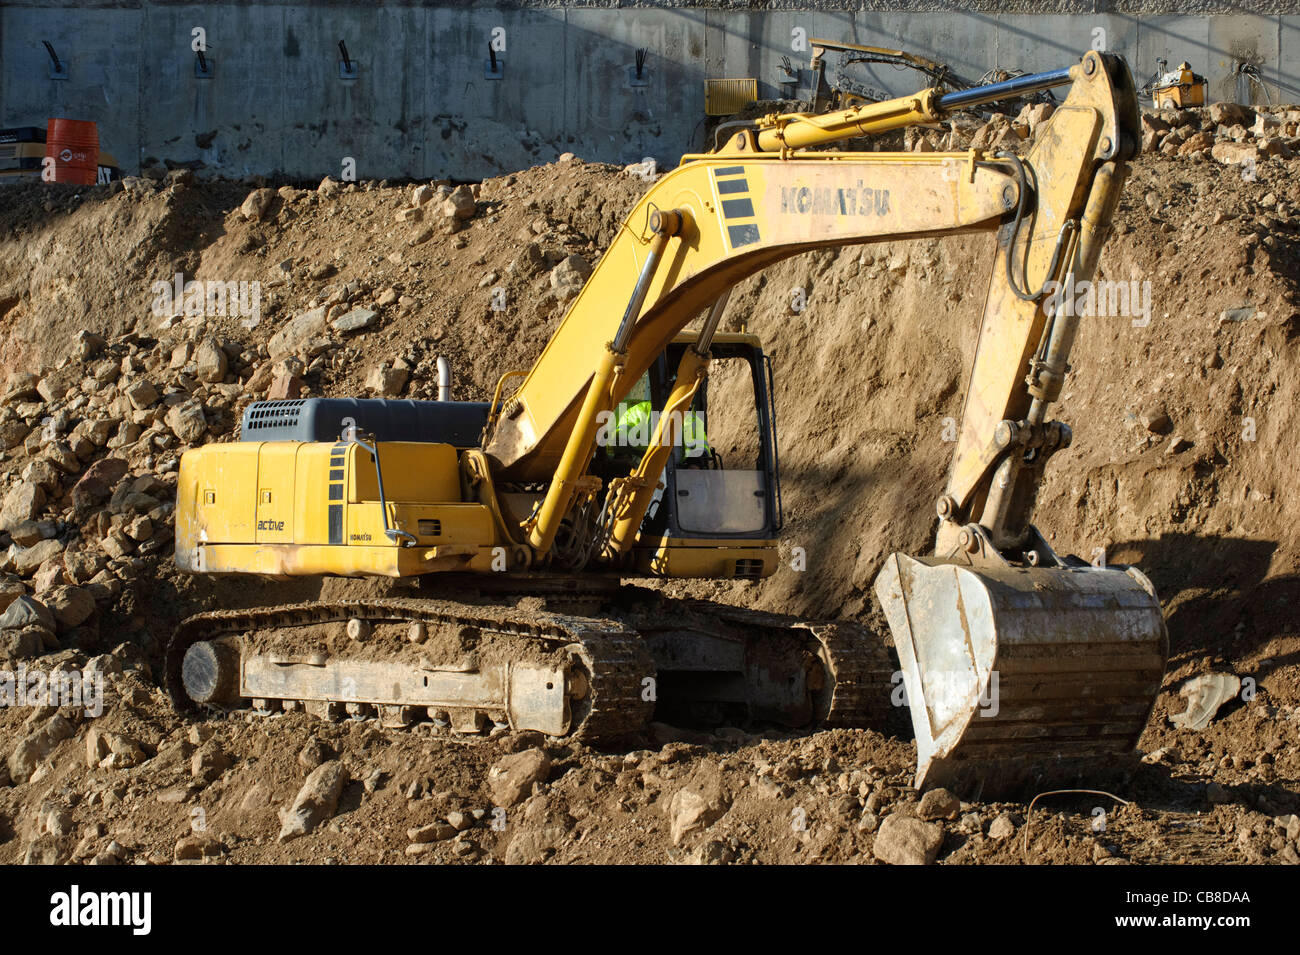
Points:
(856, 200)
(358, 537)
(270, 525)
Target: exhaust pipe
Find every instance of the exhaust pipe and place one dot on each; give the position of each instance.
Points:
(444, 379)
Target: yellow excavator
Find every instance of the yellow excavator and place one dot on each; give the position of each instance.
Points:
(516, 523)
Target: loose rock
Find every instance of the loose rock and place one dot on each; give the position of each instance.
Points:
(512, 778)
(315, 802)
(904, 840)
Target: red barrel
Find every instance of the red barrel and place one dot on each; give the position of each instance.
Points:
(73, 144)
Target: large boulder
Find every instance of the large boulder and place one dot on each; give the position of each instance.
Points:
(56, 384)
(296, 333)
(257, 204)
(23, 644)
(71, 606)
(44, 474)
(32, 749)
(539, 838)
(1234, 154)
(1195, 143)
(210, 361)
(26, 611)
(142, 393)
(28, 560)
(21, 386)
(1231, 114)
(209, 761)
(11, 588)
(13, 433)
(187, 421)
(905, 840)
(97, 485)
(698, 804)
(355, 320)
(387, 381)
(939, 804)
(28, 533)
(511, 780)
(460, 204)
(572, 272)
(23, 502)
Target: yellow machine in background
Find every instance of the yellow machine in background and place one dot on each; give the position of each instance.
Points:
(1178, 89)
(1018, 664)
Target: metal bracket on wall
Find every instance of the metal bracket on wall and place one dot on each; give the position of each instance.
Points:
(787, 77)
(494, 68)
(202, 66)
(58, 69)
(636, 75)
(347, 68)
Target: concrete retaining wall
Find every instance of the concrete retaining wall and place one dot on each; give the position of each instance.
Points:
(420, 105)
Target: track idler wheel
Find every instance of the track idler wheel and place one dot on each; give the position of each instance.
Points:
(210, 672)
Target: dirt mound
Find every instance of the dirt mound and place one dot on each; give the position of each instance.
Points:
(1180, 464)
(86, 257)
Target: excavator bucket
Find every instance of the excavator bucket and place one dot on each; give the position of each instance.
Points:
(1018, 677)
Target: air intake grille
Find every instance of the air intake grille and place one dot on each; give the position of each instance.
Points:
(749, 567)
(273, 414)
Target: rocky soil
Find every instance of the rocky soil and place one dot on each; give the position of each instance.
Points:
(1181, 463)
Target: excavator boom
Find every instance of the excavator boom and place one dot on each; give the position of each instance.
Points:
(767, 196)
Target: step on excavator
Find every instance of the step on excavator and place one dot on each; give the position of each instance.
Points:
(521, 525)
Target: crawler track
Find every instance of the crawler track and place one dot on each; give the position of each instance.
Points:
(847, 668)
(860, 665)
(615, 662)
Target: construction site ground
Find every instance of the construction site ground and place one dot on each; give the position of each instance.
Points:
(1184, 463)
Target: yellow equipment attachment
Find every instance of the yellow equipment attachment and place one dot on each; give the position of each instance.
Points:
(724, 97)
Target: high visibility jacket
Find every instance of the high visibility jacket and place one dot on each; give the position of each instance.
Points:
(635, 429)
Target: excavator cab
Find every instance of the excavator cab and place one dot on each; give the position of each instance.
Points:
(718, 511)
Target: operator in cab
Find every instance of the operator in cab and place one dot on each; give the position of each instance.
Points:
(634, 426)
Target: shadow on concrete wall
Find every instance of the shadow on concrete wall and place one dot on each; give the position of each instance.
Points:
(420, 102)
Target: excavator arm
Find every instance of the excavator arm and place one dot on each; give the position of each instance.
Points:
(825, 96)
(1018, 665)
(766, 196)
